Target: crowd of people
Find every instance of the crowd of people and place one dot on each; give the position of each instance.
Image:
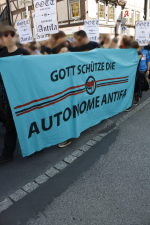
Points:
(58, 43)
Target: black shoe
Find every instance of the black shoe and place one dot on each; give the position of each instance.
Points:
(136, 102)
(129, 109)
(4, 159)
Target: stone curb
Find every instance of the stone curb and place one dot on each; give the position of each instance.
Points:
(31, 186)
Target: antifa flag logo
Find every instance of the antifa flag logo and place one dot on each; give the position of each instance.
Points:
(90, 85)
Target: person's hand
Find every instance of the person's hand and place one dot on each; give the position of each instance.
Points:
(147, 73)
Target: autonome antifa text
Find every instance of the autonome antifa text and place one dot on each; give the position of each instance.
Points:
(47, 123)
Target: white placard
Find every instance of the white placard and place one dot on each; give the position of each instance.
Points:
(91, 27)
(142, 32)
(47, 25)
(24, 30)
(38, 37)
(44, 7)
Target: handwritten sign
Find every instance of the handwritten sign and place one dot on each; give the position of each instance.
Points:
(24, 30)
(91, 27)
(46, 16)
(142, 32)
(38, 36)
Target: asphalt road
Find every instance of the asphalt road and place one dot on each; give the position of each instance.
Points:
(109, 184)
(116, 189)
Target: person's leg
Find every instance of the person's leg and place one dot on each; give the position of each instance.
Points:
(10, 137)
(2, 112)
(2, 116)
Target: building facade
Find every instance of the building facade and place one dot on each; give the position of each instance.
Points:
(71, 14)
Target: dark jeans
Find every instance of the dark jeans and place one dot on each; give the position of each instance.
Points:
(2, 112)
(10, 137)
(139, 92)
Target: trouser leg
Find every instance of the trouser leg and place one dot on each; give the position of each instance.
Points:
(10, 137)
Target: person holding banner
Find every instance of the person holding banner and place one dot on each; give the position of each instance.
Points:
(84, 43)
(59, 37)
(10, 138)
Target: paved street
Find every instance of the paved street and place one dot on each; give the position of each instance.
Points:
(108, 184)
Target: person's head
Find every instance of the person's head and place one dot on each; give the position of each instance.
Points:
(125, 42)
(9, 36)
(114, 43)
(106, 40)
(60, 37)
(51, 42)
(81, 37)
(62, 48)
(134, 44)
(131, 38)
(100, 40)
(31, 49)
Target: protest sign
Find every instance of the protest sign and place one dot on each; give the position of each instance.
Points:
(47, 25)
(91, 27)
(46, 17)
(24, 30)
(56, 97)
(38, 37)
(44, 8)
(142, 32)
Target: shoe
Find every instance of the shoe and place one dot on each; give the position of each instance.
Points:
(64, 144)
(4, 159)
(136, 102)
(129, 109)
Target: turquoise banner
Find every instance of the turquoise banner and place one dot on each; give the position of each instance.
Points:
(55, 97)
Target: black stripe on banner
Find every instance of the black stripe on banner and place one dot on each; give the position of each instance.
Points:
(117, 81)
(44, 103)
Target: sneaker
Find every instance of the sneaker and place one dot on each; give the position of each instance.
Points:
(64, 144)
(136, 102)
(4, 159)
(129, 109)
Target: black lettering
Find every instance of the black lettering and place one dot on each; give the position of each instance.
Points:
(75, 111)
(90, 104)
(58, 118)
(119, 95)
(33, 129)
(87, 67)
(97, 101)
(103, 66)
(69, 114)
(49, 126)
(104, 99)
(115, 95)
(110, 97)
(82, 68)
(73, 68)
(67, 68)
(60, 75)
(107, 66)
(113, 65)
(84, 107)
(99, 66)
(124, 94)
(79, 69)
(56, 76)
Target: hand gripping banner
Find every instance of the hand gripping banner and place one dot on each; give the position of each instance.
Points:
(56, 97)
